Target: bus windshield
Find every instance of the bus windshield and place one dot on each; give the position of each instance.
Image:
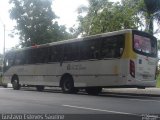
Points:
(145, 45)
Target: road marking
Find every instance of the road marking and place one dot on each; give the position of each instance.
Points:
(101, 110)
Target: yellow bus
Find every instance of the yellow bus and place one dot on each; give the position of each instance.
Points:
(125, 58)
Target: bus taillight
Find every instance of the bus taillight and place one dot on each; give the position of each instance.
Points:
(132, 68)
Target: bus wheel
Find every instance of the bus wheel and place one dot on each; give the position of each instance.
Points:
(5, 86)
(15, 83)
(40, 88)
(68, 85)
(93, 90)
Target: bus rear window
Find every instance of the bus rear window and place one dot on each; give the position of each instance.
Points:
(144, 45)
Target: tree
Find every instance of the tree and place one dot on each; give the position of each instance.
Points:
(35, 22)
(152, 9)
(158, 44)
(104, 16)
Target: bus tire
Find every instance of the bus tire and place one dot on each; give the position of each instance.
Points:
(67, 85)
(93, 90)
(5, 86)
(15, 83)
(40, 88)
(141, 87)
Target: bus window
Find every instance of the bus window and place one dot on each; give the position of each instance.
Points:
(119, 45)
(67, 52)
(19, 60)
(9, 60)
(112, 47)
(145, 45)
(71, 52)
(34, 56)
(108, 46)
(42, 54)
(84, 51)
(75, 52)
(56, 53)
(142, 44)
(31, 56)
(90, 49)
(95, 48)
(28, 56)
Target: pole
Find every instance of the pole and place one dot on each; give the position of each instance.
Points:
(4, 40)
(3, 47)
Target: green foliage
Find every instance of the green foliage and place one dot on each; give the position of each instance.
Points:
(158, 82)
(152, 6)
(104, 16)
(35, 22)
(158, 76)
(151, 11)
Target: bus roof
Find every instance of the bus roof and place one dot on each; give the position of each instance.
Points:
(92, 36)
(78, 39)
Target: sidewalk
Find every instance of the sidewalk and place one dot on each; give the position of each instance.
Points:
(134, 91)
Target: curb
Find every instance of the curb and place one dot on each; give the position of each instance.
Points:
(150, 92)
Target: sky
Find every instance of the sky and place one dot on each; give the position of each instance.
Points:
(65, 9)
(5, 19)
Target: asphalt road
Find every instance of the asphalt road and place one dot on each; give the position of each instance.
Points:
(30, 101)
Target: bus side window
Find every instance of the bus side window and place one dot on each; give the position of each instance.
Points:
(34, 56)
(9, 61)
(95, 49)
(52, 54)
(6, 63)
(67, 52)
(75, 51)
(19, 60)
(56, 53)
(84, 51)
(42, 54)
(90, 49)
(71, 52)
(28, 56)
(120, 45)
(112, 47)
(107, 48)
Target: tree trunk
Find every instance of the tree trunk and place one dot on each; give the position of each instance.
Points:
(151, 25)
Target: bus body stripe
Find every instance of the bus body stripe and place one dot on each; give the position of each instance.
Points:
(128, 52)
(96, 75)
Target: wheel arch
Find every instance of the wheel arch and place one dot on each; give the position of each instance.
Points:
(14, 76)
(63, 78)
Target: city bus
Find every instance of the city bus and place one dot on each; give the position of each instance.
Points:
(119, 59)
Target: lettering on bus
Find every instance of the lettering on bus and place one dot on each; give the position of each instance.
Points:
(75, 67)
